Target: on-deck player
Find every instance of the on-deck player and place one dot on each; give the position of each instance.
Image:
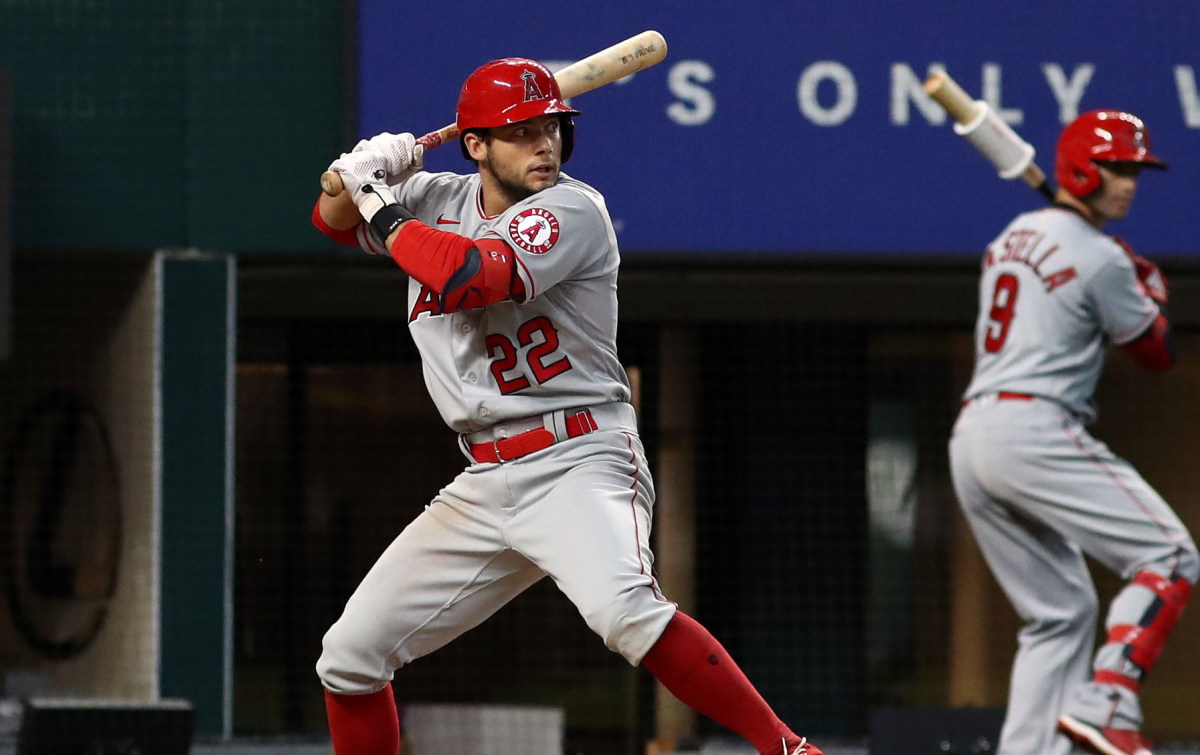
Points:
(513, 307)
(1037, 489)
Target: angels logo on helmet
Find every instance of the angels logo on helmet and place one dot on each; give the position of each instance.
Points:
(532, 91)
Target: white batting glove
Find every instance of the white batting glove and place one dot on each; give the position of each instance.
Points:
(363, 175)
(359, 168)
(402, 155)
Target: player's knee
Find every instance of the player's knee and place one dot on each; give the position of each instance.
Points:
(1075, 615)
(632, 624)
(348, 665)
(1081, 614)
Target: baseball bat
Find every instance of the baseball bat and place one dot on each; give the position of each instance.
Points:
(618, 61)
(967, 112)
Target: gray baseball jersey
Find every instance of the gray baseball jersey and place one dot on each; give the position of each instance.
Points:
(557, 349)
(1039, 491)
(1054, 292)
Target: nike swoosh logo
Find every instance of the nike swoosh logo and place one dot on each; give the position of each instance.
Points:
(442, 221)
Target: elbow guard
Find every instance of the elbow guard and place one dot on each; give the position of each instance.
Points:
(465, 273)
(485, 277)
(1154, 350)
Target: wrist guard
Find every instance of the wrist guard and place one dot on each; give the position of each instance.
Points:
(380, 209)
(388, 218)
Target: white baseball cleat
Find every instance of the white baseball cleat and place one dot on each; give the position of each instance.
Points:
(1102, 740)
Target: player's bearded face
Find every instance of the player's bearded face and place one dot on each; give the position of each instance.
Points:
(1118, 182)
(524, 157)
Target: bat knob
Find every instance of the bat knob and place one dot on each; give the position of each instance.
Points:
(331, 183)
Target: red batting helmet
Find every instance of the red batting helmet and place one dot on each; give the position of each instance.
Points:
(1100, 136)
(510, 90)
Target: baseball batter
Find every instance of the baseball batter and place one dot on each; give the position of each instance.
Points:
(512, 303)
(1038, 490)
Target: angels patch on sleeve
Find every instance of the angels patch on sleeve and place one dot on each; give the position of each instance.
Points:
(534, 229)
(569, 218)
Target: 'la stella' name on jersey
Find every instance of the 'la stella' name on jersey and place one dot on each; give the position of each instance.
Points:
(1024, 246)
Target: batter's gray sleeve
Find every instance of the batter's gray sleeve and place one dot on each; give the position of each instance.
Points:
(558, 234)
(1123, 310)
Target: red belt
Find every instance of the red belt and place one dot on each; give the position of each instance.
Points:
(1007, 396)
(523, 444)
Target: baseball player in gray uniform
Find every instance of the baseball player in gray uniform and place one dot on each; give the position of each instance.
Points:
(512, 303)
(1037, 489)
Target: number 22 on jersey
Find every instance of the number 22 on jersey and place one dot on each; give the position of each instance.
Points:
(1000, 317)
(504, 355)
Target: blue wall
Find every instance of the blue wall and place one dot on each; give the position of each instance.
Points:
(717, 150)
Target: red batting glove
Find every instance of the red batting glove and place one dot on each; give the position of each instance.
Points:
(1151, 279)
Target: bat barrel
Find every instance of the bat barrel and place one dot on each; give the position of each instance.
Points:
(947, 93)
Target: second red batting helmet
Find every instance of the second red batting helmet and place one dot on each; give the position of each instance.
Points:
(510, 90)
(1100, 136)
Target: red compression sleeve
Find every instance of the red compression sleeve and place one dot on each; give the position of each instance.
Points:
(466, 273)
(344, 236)
(695, 668)
(363, 724)
(1154, 350)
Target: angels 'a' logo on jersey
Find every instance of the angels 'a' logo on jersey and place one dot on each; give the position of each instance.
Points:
(535, 230)
(532, 90)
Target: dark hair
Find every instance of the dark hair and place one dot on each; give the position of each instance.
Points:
(482, 133)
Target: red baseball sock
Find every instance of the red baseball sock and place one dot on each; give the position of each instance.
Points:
(695, 668)
(364, 724)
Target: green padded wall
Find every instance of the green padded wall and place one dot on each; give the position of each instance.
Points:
(144, 124)
(198, 320)
(264, 118)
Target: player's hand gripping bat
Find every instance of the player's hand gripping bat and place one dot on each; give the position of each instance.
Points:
(979, 124)
(612, 63)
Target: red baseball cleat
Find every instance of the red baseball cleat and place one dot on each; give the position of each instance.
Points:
(1104, 741)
